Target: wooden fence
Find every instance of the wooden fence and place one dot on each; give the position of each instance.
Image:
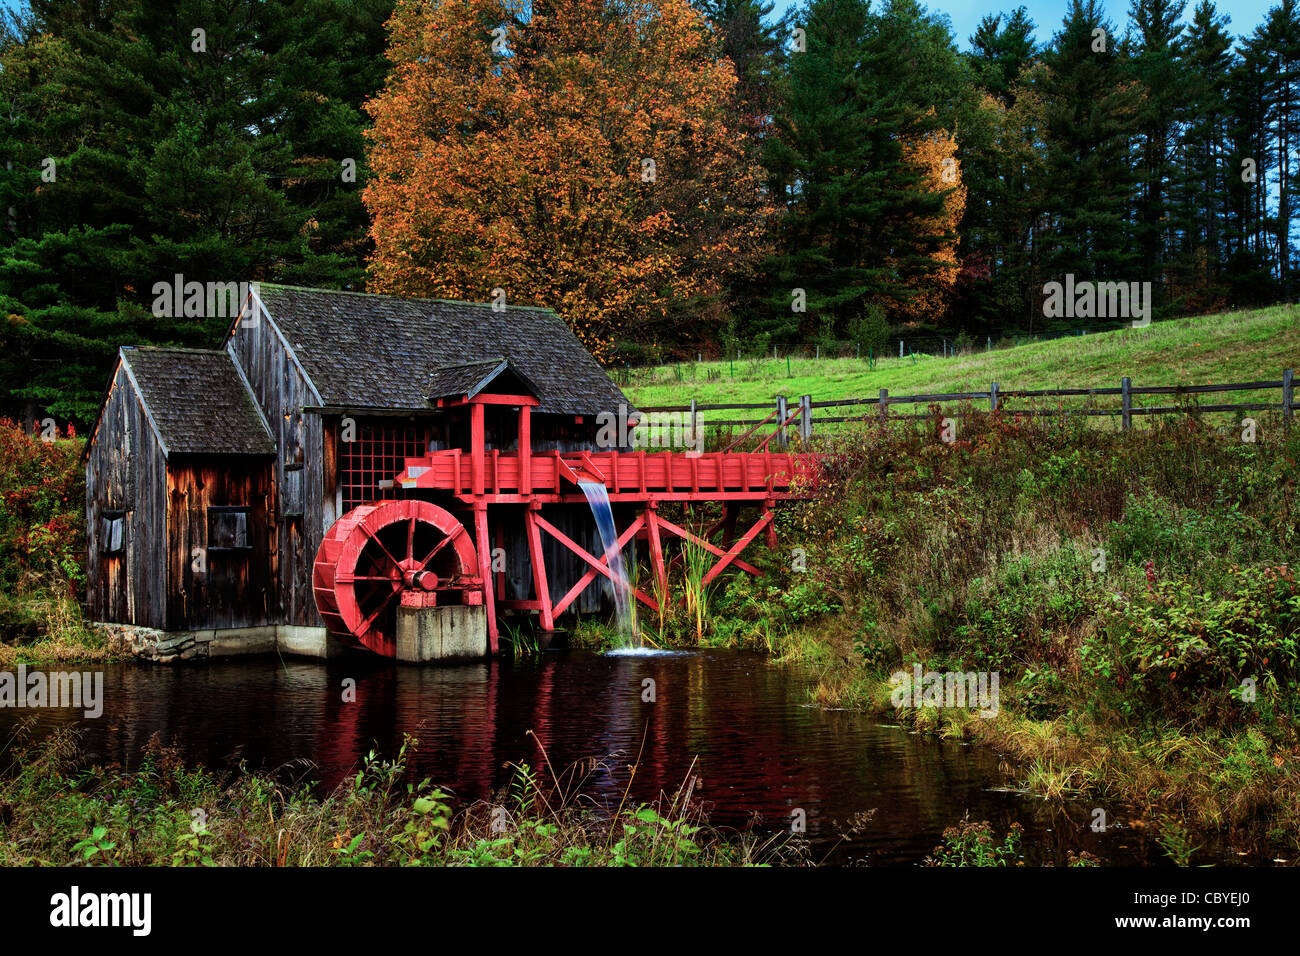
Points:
(799, 417)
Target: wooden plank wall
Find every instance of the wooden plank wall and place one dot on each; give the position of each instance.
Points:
(226, 588)
(125, 470)
(302, 517)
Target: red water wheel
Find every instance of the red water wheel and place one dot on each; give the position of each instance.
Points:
(382, 555)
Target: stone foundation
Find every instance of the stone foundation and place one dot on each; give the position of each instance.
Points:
(167, 647)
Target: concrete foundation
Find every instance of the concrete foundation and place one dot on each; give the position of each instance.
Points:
(166, 647)
(308, 642)
(455, 632)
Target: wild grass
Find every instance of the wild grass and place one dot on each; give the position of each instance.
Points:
(56, 811)
(1165, 677)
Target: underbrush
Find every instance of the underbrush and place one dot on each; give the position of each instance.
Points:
(1135, 592)
(42, 538)
(55, 811)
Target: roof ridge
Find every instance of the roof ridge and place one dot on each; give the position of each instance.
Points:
(401, 298)
(482, 361)
(173, 348)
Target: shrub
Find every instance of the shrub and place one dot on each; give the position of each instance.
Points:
(870, 330)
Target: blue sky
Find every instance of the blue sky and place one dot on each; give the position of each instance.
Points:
(1047, 14)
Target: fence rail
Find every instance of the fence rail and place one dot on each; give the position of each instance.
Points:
(803, 417)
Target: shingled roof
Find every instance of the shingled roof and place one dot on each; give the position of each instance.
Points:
(470, 378)
(198, 402)
(374, 351)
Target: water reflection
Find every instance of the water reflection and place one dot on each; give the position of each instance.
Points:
(741, 722)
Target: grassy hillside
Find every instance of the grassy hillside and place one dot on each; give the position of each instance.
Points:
(1164, 681)
(1233, 347)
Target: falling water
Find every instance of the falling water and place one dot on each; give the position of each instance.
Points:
(598, 498)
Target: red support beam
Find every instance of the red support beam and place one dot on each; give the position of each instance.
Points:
(537, 557)
(525, 450)
(656, 550)
(739, 546)
(709, 545)
(476, 443)
(598, 565)
(485, 571)
(485, 399)
(771, 527)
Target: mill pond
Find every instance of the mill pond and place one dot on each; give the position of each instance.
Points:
(763, 756)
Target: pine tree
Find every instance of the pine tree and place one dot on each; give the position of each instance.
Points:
(1000, 171)
(1091, 110)
(999, 53)
(179, 136)
(859, 218)
(1202, 177)
(1163, 78)
(1248, 273)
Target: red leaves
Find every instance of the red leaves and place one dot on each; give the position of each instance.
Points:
(41, 487)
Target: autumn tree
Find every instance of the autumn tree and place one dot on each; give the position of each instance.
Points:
(578, 155)
(934, 156)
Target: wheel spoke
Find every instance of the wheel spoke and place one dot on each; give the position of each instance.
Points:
(440, 545)
(365, 625)
(410, 540)
(375, 538)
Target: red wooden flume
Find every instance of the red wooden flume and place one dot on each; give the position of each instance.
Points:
(416, 553)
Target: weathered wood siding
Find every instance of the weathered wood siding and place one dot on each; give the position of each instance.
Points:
(126, 471)
(298, 508)
(210, 588)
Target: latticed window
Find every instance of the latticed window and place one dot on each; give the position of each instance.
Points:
(376, 454)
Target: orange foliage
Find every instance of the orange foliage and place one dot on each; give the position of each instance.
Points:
(935, 157)
(525, 169)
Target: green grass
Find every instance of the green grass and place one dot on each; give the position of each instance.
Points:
(58, 810)
(1232, 347)
(1125, 681)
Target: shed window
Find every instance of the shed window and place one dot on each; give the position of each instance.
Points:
(112, 526)
(227, 529)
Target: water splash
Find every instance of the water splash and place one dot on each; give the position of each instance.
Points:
(645, 652)
(598, 499)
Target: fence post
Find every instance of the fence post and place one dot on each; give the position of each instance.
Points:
(805, 417)
(884, 404)
(694, 423)
(1287, 376)
(1126, 401)
(781, 414)
(900, 348)
(993, 397)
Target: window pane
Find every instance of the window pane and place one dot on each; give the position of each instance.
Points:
(110, 532)
(228, 529)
